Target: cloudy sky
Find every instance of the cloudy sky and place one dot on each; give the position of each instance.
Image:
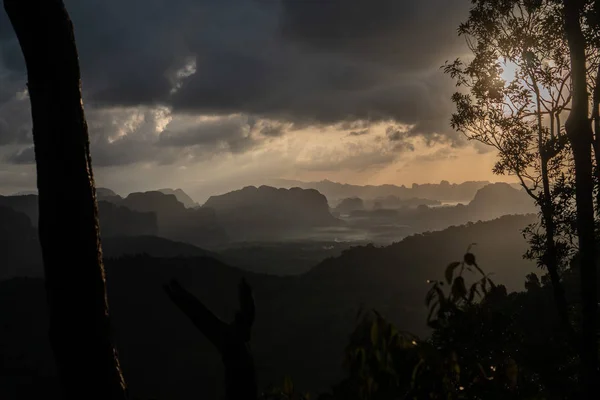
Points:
(212, 95)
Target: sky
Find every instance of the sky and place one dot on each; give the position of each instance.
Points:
(210, 96)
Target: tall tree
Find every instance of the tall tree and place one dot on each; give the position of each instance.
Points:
(539, 122)
(517, 88)
(580, 134)
(87, 362)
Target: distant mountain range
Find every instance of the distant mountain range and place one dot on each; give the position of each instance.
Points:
(249, 214)
(267, 214)
(388, 202)
(443, 191)
(336, 192)
(491, 201)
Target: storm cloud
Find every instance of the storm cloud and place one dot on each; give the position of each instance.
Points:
(259, 68)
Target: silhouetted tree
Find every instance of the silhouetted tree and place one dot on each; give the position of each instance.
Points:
(554, 48)
(87, 362)
(580, 134)
(520, 116)
(231, 340)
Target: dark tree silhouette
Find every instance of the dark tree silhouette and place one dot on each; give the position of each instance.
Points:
(580, 134)
(519, 116)
(231, 340)
(87, 362)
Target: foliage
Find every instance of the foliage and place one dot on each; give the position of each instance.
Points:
(485, 344)
(518, 90)
(441, 305)
(286, 391)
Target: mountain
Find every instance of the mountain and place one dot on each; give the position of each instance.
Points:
(383, 225)
(104, 194)
(268, 213)
(27, 204)
(20, 253)
(102, 191)
(302, 323)
(25, 193)
(181, 196)
(197, 226)
(444, 191)
(501, 199)
(280, 258)
(350, 204)
(117, 220)
(153, 246)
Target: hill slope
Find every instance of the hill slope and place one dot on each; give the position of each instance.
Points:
(302, 322)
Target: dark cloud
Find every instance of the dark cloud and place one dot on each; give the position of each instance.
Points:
(403, 33)
(359, 133)
(441, 154)
(202, 133)
(307, 89)
(400, 139)
(17, 178)
(353, 125)
(15, 121)
(351, 158)
(123, 137)
(23, 156)
(324, 61)
(273, 130)
(297, 63)
(395, 135)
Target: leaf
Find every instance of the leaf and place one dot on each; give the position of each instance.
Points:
(450, 271)
(440, 294)
(374, 332)
(361, 356)
(392, 333)
(378, 356)
(432, 310)
(479, 269)
(469, 259)
(415, 372)
(429, 297)
(472, 292)
(456, 368)
(459, 290)
(484, 286)
(288, 386)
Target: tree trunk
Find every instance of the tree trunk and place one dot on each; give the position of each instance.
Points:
(551, 255)
(551, 262)
(596, 120)
(579, 131)
(231, 340)
(87, 362)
